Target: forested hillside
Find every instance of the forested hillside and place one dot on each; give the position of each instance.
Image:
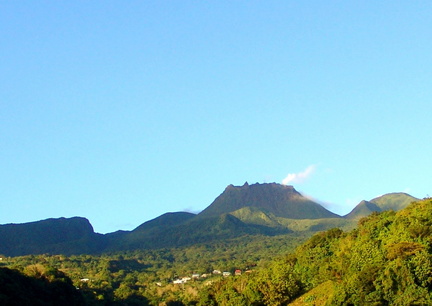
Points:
(148, 275)
(386, 260)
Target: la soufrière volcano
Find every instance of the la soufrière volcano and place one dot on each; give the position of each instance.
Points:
(258, 209)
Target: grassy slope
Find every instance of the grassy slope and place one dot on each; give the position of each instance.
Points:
(395, 201)
(318, 296)
(254, 215)
(390, 201)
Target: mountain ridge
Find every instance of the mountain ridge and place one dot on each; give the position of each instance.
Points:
(390, 201)
(258, 209)
(49, 236)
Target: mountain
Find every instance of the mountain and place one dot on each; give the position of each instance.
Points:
(258, 209)
(55, 236)
(279, 200)
(386, 260)
(362, 209)
(394, 201)
(150, 234)
(391, 201)
(193, 231)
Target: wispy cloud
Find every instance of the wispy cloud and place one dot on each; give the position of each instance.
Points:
(191, 210)
(299, 177)
(407, 190)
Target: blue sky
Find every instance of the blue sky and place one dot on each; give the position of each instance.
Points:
(120, 111)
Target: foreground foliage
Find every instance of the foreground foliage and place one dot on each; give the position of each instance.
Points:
(146, 277)
(39, 285)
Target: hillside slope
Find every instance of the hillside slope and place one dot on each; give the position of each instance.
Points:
(394, 201)
(191, 232)
(386, 260)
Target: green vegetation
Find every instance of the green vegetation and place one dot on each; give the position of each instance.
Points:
(55, 236)
(146, 276)
(248, 210)
(250, 253)
(279, 200)
(391, 201)
(37, 285)
(394, 201)
(386, 260)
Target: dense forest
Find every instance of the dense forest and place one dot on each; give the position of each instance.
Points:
(147, 275)
(385, 260)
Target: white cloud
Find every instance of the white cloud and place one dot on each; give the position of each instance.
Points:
(407, 190)
(300, 177)
(191, 210)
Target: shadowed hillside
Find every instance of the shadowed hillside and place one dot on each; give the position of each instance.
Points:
(55, 236)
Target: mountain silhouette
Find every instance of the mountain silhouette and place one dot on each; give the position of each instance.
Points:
(56, 236)
(258, 209)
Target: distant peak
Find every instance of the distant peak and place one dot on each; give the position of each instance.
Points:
(230, 186)
(246, 184)
(281, 200)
